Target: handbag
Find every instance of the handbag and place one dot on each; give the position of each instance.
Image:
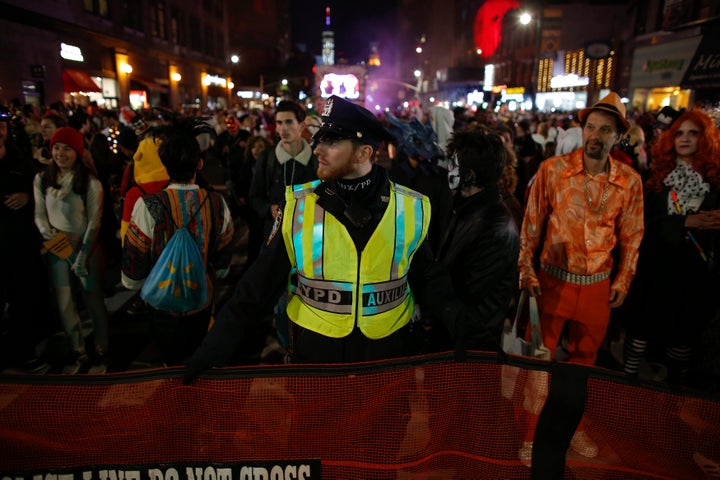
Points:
(514, 345)
(537, 384)
(536, 348)
(511, 343)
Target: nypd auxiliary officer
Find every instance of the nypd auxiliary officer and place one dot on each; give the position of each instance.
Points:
(350, 247)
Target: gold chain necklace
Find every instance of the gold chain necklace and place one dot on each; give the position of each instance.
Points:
(589, 198)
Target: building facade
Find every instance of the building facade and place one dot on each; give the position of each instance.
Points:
(136, 53)
(676, 54)
(564, 57)
(654, 53)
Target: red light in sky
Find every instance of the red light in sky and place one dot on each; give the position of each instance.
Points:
(488, 25)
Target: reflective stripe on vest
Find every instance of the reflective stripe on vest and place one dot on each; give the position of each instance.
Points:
(336, 287)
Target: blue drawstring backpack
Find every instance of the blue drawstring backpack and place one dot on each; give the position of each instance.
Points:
(177, 282)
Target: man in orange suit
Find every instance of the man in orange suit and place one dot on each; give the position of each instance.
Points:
(581, 207)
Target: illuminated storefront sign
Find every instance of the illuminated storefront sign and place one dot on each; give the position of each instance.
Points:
(138, 99)
(71, 52)
(343, 85)
(248, 94)
(489, 77)
(704, 68)
(561, 101)
(475, 97)
(569, 81)
(214, 80)
(662, 65)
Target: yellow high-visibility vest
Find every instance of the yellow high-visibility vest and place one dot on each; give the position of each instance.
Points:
(337, 286)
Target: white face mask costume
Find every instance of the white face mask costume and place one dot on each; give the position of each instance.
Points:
(313, 124)
(454, 172)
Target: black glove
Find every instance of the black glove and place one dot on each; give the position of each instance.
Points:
(193, 369)
(219, 345)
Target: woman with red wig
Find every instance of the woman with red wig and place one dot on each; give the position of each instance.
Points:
(676, 285)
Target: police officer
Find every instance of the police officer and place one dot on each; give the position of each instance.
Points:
(355, 244)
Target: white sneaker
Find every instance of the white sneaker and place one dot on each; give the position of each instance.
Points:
(584, 445)
(99, 363)
(709, 467)
(36, 367)
(98, 369)
(525, 453)
(77, 361)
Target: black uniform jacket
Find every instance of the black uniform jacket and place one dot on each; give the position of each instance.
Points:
(261, 286)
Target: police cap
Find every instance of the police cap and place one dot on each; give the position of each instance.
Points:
(346, 120)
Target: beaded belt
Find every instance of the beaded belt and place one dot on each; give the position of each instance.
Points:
(575, 278)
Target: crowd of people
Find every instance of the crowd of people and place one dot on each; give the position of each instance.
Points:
(610, 220)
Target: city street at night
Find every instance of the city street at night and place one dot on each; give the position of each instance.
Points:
(334, 240)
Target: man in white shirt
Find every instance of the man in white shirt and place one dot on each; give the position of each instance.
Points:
(569, 139)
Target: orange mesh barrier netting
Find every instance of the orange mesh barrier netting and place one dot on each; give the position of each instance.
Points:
(425, 417)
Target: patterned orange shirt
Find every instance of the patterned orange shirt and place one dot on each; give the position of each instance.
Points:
(574, 236)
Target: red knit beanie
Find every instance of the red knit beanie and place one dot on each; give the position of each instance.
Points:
(70, 137)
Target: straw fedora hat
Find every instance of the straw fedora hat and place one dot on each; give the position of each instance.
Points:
(611, 103)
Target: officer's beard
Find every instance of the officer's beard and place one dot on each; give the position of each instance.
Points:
(336, 171)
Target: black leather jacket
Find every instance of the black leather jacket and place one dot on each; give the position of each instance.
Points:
(480, 250)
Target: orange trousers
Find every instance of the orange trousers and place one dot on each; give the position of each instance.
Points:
(584, 308)
(586, 311)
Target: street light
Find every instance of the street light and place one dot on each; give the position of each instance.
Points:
(235, 58)
(525, 19)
